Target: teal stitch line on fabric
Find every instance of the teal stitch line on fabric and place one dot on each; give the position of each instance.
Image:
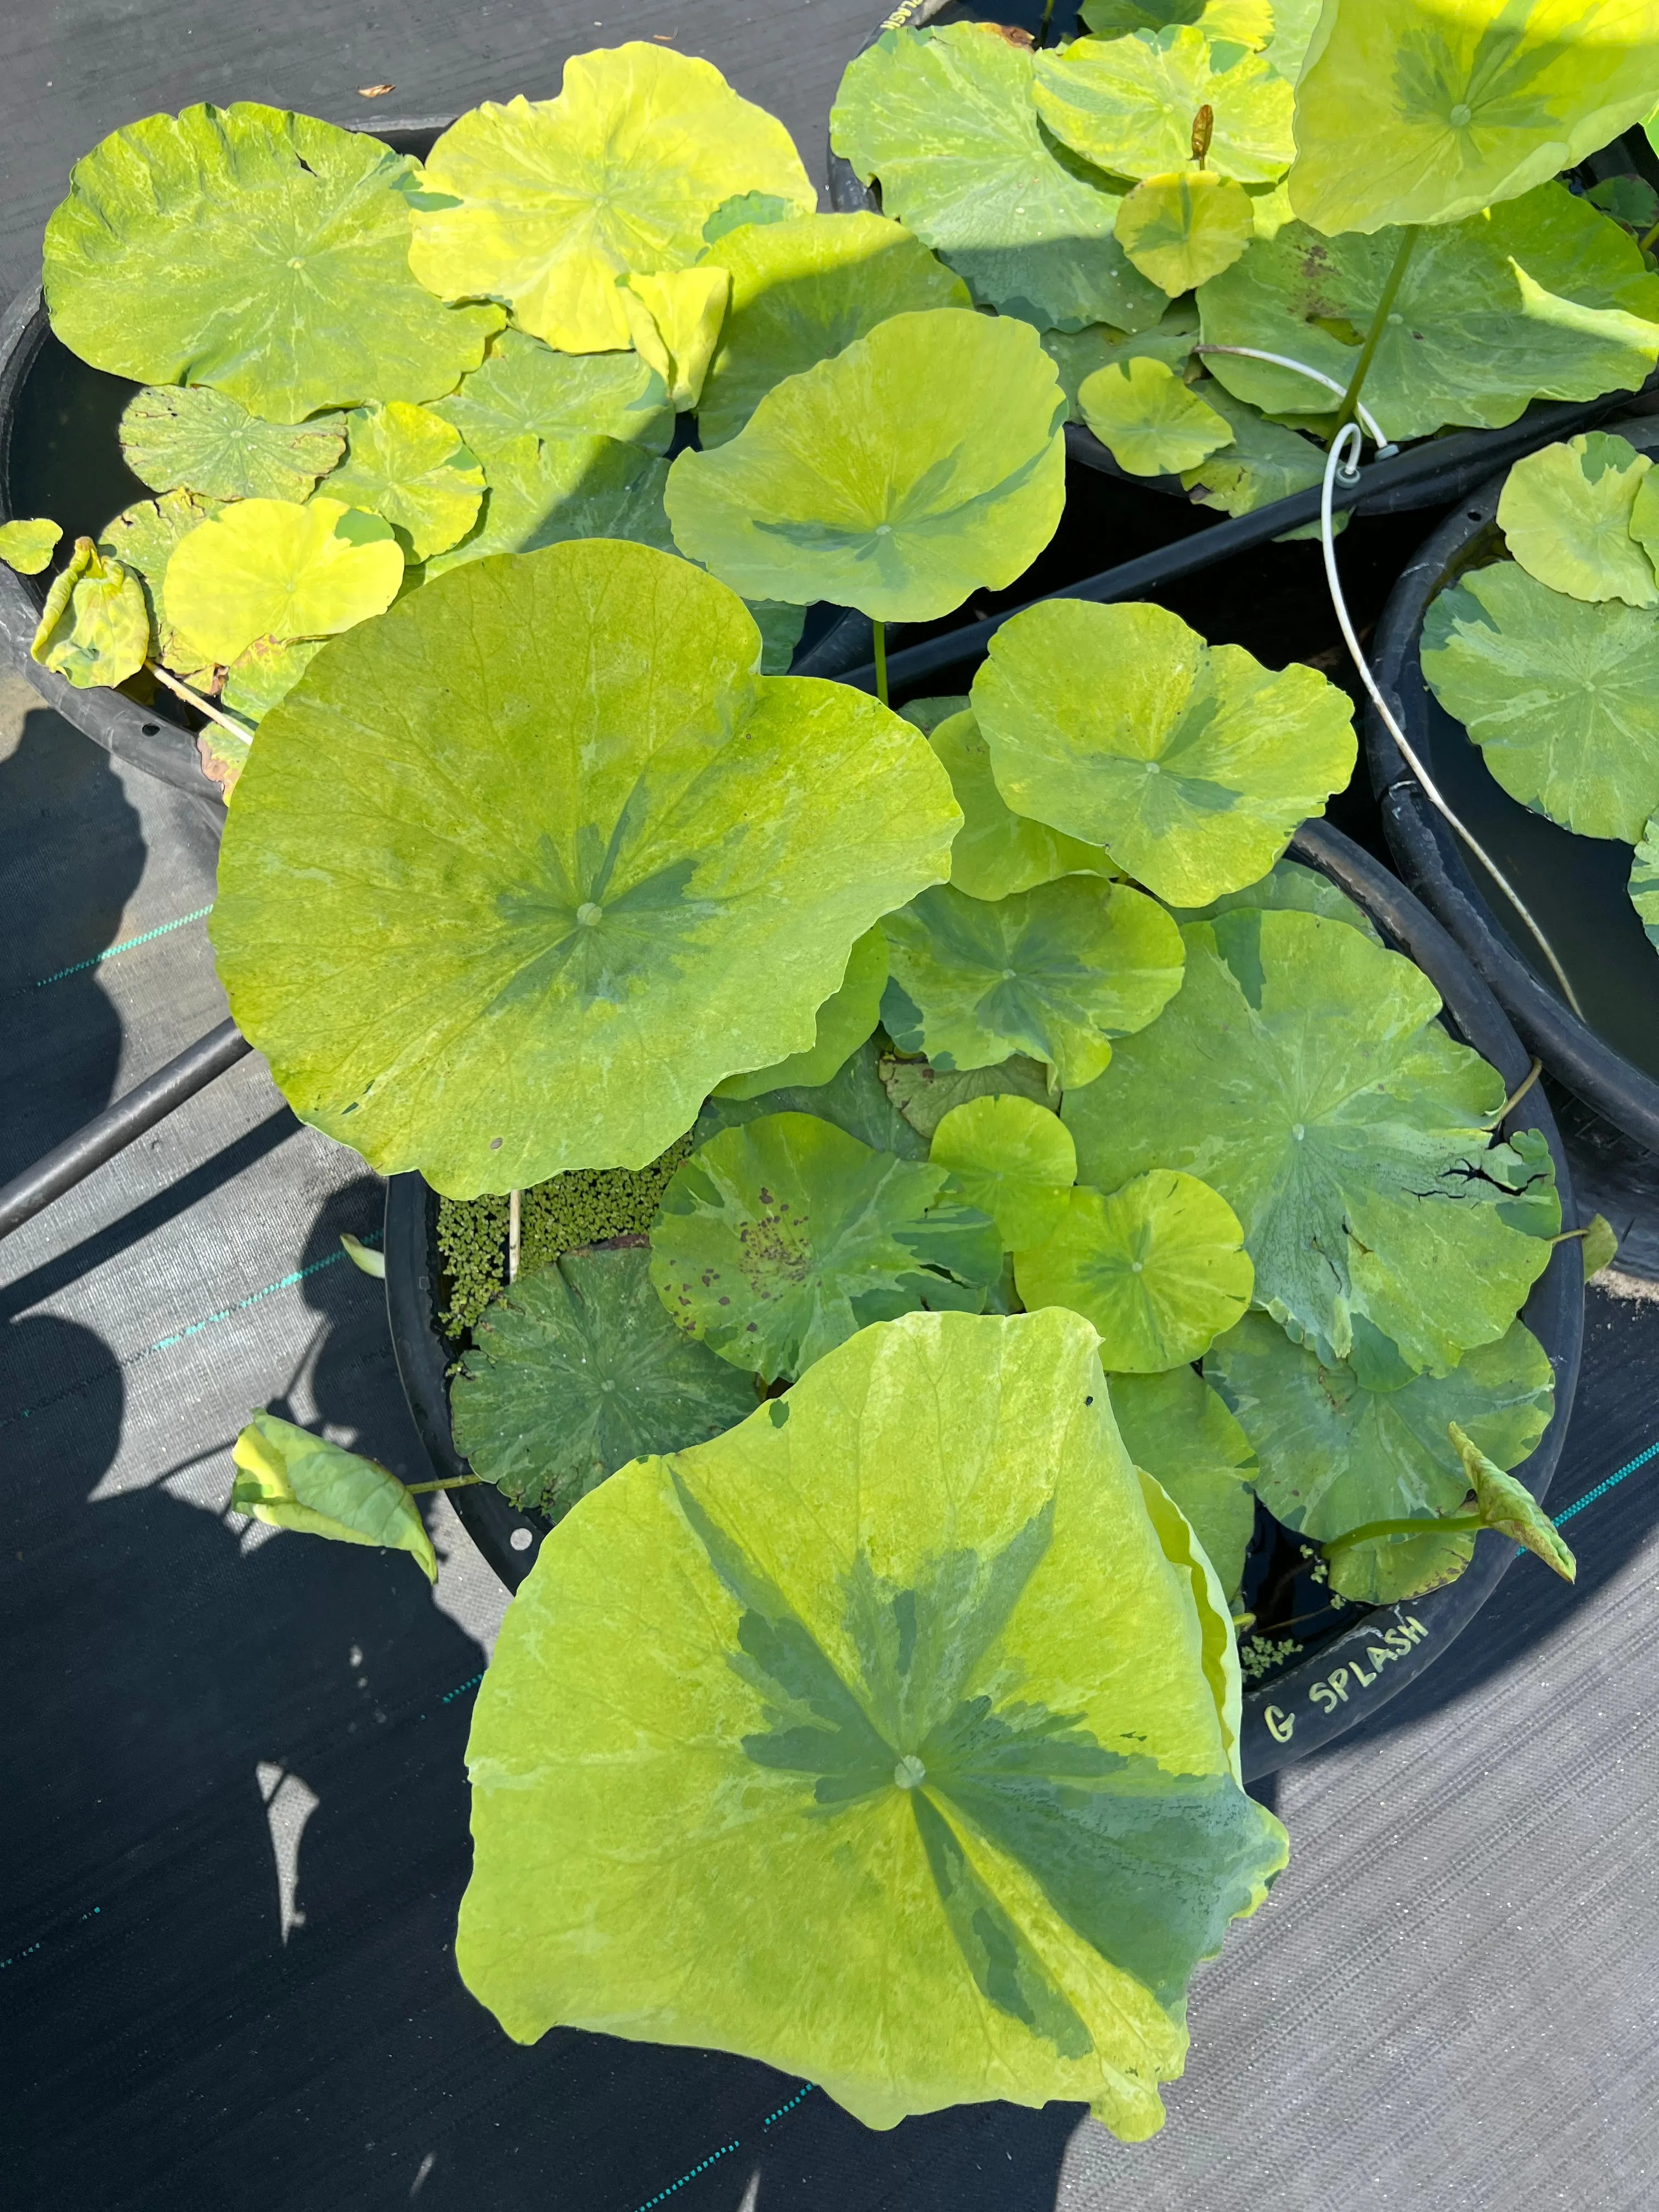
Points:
(126, 945)
(724, 2151)
(1602, 1488)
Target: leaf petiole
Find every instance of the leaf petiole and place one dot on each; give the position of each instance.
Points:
(1455, 1524)
(1345, 414)
(453, 1482)
(880, 630)
(241, 730)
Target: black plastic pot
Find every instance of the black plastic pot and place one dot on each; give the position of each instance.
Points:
(1334, 1686)
(1606, 1068)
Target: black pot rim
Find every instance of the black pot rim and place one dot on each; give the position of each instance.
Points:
(1282, 1721)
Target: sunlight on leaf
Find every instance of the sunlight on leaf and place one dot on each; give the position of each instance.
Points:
(94, 628)
(845, 1019)
(290, 1479)
(1149, 421)
(1011, 1159)
(676, 320)
(1181, 230)
(408, 465)
(264, 567)
(1127, 105)
(28, 547)
(1509, 1507)
(997, 851)
(1566, 514)
(523, 387)
(191, 438)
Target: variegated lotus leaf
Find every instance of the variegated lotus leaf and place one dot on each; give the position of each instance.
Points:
(523, 387)
(548, 491)
(1510, 1509)
(1238, 22)
(1176, 1429)
(258, 251)
(845, 1020)
(264, 567)
(1193, 765)
(192, 438)
(289, 1478)
(855, 1099)
(923, 1095)
(1301, 1073)
(1561, 696)
(1157, 1267)
(780, 1240)
(1288, 887)
(1078, 354)
(998, 851)
(634, 902)
(1184, 229)
(266, 673)
(576, 1370)
(1293, 26)
(1408, 114)
(1565, 512)
(1011, 1159)
(1263, 462)
(743, 210)
(1644, 879)
(919, 464)
(1128, 105)
(888, 1616)
(947, 120)
(675, 321)
(408, 464)
(1054, 973)
(1546, 297)
(545, 204)
(27, 547)
(143, 538)
(94, 627)
(1147, 419)
(804, 290)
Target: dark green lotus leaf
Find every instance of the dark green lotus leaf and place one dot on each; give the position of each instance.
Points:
(1631, 201)
(1288, 887)
(567, 863)
(407, 463)
(845, 1020)
(1193, 765)
(1383, 1569)
(1055, 973)
(268, 568)
(1127, 105)
(919, 464)
(780, 1240)
(923, 1095)
(94, 627)
(289, 1478)
(1179, 1431)
(1567, 512)
(1301, 1072)
(575, 1370)
(855, 1099)
(1510, 1509)
(524, 388)
(27, 547)
(548, 491)
(1238, 23)
(258, 251)
(1078, 354)
(1561, 696)
(1333, 1454)
(191, 438)
(804, 290)
(1544, 297)
(1148, 420)
(1644, 879)
(1264, 462)
(1013, 1160)
(1158, 1267)
(744, 209)
(947, 120)
(996, 850)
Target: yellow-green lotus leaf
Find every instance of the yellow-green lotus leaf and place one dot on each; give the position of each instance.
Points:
(1129, 105)
(1644, 894)
(543, 491)
(921, 463)
(1427, 111)
(261, 252)
(407, 464)
(143, 538)
(1193, 765)
(996, 850)
(1565, 512)
(264, 567)
(1178, 1430)
(523, 387)
(1011, 1159)
(1184, 229)
(94, 627)
(1078, 354)
(568, 862)
(897, 1703)
(28, 547)
(192, 438)
(289, 1478)
(1262, 462)
(1510, 1508)
(1645, 512)
(675, 321)
(845, 1019)
(550, 202)
(266, 673)
(1148, 420)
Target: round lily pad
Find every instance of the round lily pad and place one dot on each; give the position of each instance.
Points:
(191, 438)
(1128, 105)
(602, 865)
(1565, 512)
(1644, 880)
(408, 465)
(523, 387)
(575, 1370)
(920, 462)
(845, 1019)
(1193, 765)
(258, 251)
(1178, 1430)
(1561, 696)
(545, 204)
(804, 290)
(1011, 1159)
(1144, 414)
(28, 547)
(1159, 1266)
(1078, 354)
(887, 1617)
(1301, 1072)
(1184, 229)
(947, 120)
(267, 569)
(94, 627)
(997, 851)
(1055, 973)
(547, 491)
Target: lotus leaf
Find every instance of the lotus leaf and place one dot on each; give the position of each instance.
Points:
(1510, 1508)
(1158, 1267)
(779, 1240)
(143, 538)
(94, 628)
(264, 567)
(1333, 1454)
(855, 1098)
(1011, 1159)
(1292, 32)
(1078, 354)
(1264, 462)
(1561, 696)
(547, 202)
(191, 438)
(1408, 113)
(804, 290)
(1643, 523)
(1290, 887)
(545, 492)
(1193, 765)
(323, 311)
(997, 851)
(926, 714)
(1179, 1431)
(948, 120)
(1565, 513)
(1151, 424)
(920, 462)
(923, 1096)
(1055, 973)
(1301, 1072)
(1184, 229)
(742, 209)
(407, 464)
(289, 1478)
(1631, 201)
(1241, 22)
(603, 866)
(845, 1019)
(1644, 879)
(904, 1620)
(1128, 105)
(524, 388)
(1544, 298)
(28, 547)
(1601, 1246)
(257, 679)
(1385, 1569)
(576, 1370)
(676, 320)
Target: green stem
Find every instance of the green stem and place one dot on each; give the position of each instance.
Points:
(1567, 1236)
(1345, 414)
(880, 629)
(1447, 1524)
(1048, 17)
(1519, 1093)
(454, 1482)
(1645, 241)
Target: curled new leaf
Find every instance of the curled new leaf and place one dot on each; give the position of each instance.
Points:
(94, 627)
(1566, 515)
(1601, 1246)
(264, 567)
(1510, 1508)
(1127, 105)
(1011, 1159)
(293, 1479)
(1148, 420)
(675, 321)
(191, 438)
